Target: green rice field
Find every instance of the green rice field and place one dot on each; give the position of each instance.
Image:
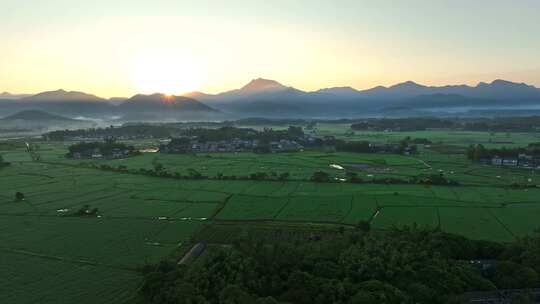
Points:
(143, 219)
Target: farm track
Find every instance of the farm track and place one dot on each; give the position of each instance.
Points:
(104, 218)
(351, 202)
(276, 215)
(175, 201)
(439, 222)
(502, 224)
(219, 208)
(64, 259)
(275, 221)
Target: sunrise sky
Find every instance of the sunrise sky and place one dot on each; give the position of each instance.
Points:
(121, 47)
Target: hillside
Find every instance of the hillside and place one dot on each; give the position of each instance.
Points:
(62, 96)
(40, 120)
(35, 115)
(161, 102)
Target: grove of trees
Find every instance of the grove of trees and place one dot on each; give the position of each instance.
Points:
(407, 265)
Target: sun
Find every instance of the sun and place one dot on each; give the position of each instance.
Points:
(170, 75)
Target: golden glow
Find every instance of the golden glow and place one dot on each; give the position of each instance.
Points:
(170, 75)
(121, 48)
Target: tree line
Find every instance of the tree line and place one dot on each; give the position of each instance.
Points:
(400, 266)
(2, 162)
(159, 170)
(478, 152)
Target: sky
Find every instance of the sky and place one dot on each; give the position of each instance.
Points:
(123, 47)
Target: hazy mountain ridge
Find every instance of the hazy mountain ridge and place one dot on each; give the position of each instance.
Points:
(62, 96)
(268, 97)
(7, 95)
(159, 102)
(264, 97)
(36, 115)
(77, 104)
(41, 120)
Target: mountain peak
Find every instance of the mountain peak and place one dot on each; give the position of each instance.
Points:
(408, 84)
(340, 91)
(261, 84)
(162, 102)
(502, 82)
(63, 95)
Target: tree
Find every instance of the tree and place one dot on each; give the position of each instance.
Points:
(267, 300)
(364, 226)
(510, 275)
(194, 174)
(19, 196)
(377, 292)
(353, 177)
(158, 167)
(2, 162)
(233, 294)
(295, 131)
(258, 176)
(283, 176)
(320, 177)
(520, 298)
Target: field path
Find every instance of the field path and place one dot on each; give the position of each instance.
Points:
(423, 162)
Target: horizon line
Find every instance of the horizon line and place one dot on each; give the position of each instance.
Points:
(288, 86)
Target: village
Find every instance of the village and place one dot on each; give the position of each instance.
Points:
(107, 149)
(195, 145)
(524, 161)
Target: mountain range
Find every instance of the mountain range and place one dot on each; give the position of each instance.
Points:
(269, 98)
(82, 105)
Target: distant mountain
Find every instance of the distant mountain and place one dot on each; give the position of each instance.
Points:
(502, 89)
(60, 102)
(398, 91)
(269, 98)
(254, 87)
(6, 95)
(78, 104)
(198, 95)
(35, 115)
(63, 96)
(40, 120)
(259, 88)
(263, 97)
(343, 92)
(498, 89)
(117, 100)
(159, 107)
(262, 85)
(161, 102)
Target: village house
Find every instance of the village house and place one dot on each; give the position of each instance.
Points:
(285, 145)
(496, 161)
(511, 162)
(522, 160)
(96, 153)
